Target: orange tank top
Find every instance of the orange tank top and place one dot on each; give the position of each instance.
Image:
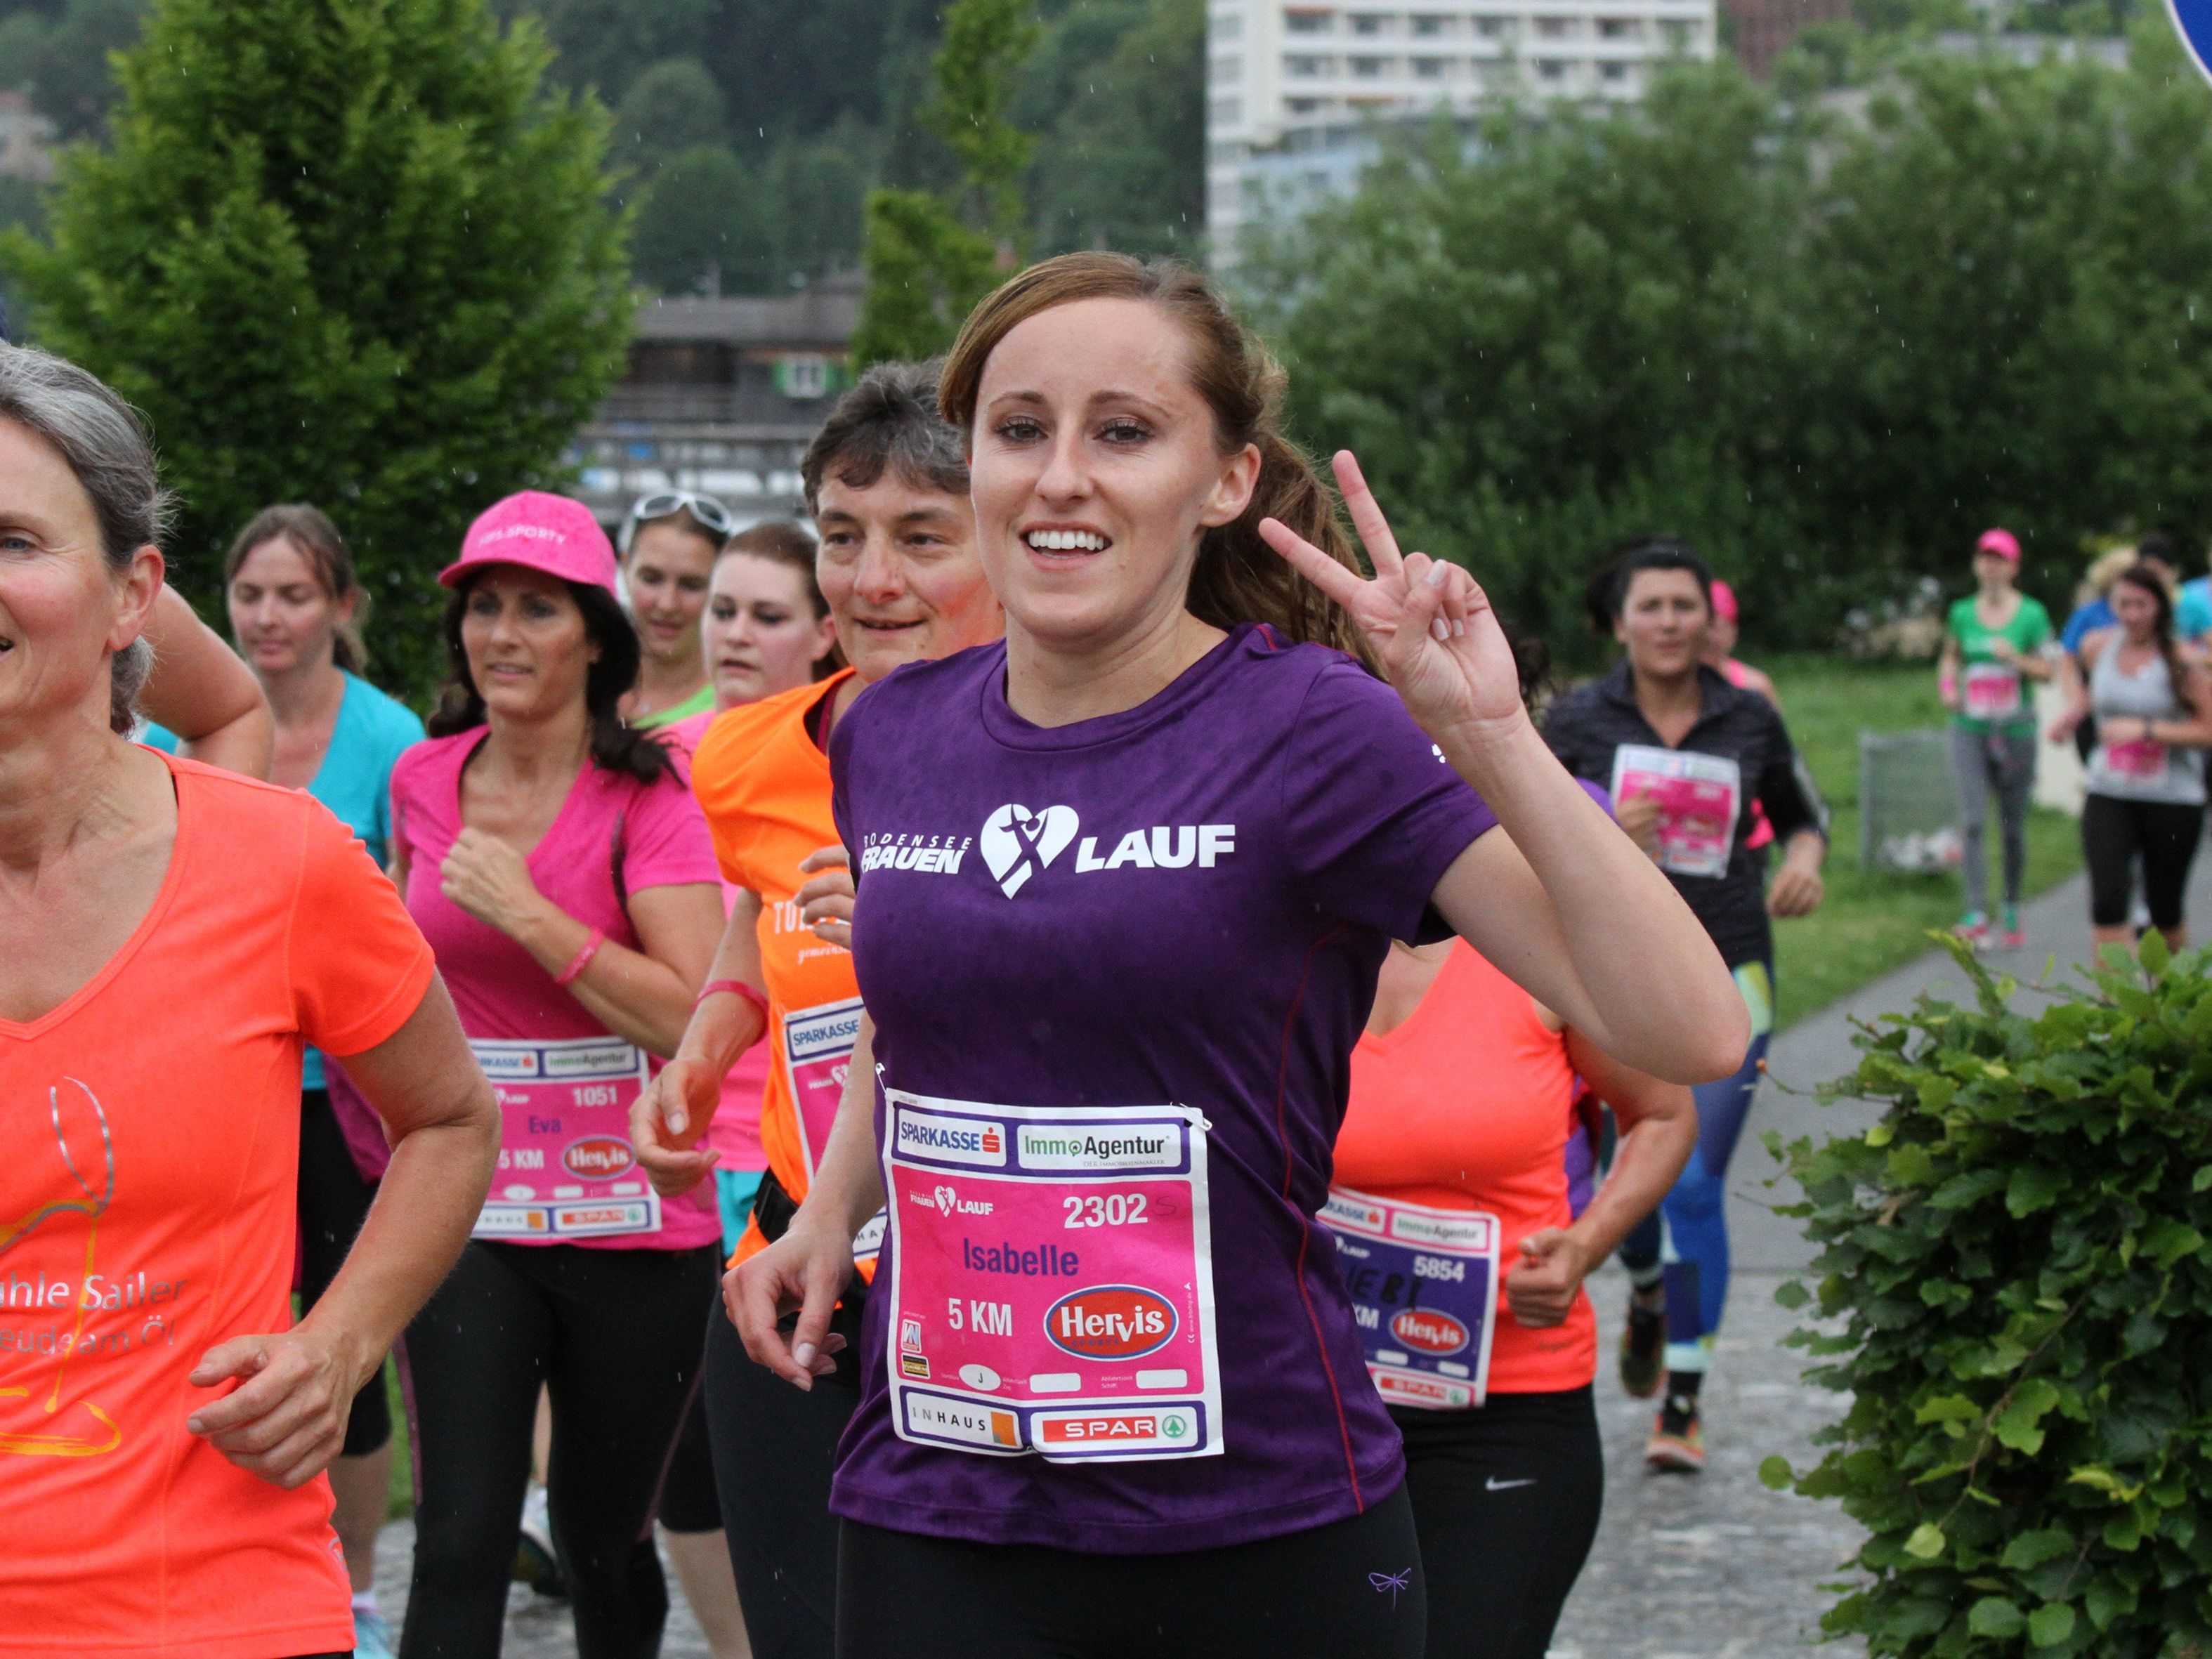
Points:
(764, 784)
(1467, 1106)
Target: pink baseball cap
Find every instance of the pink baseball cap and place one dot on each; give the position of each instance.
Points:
(1723, 600)
(2001, 541)
(538, 531)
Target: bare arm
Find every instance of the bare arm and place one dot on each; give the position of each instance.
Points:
(201, 691)
(2175, 731)
(287, 1419)
(1659, 1127)
(808, 1268)
(667, 1121)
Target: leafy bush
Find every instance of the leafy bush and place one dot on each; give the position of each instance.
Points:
(2017, 1253)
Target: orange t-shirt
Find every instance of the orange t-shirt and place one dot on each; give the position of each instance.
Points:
(764, 784)
(146, 1212)
(1467, 1106)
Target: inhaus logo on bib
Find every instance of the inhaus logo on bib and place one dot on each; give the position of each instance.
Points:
(1017, 844)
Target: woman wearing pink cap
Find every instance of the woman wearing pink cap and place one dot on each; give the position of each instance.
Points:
(564, 875)
(1994, 640)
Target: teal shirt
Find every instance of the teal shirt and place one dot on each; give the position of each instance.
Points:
(355, 780)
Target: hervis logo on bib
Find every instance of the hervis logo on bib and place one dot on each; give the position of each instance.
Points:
(1110, 1321)
(597, 1157)
(1426, 1330)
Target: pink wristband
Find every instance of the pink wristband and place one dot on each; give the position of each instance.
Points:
(736, 988)
(582, 959)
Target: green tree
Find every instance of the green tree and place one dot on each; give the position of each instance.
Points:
(605, 45)
(931, 255)
(1123, 164)
(698, 229)
(69, 70)
(395, 289)
(672, 105)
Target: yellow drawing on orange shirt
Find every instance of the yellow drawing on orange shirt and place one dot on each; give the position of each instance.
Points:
(78, 1428)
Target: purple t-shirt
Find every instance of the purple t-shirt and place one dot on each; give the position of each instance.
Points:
(499, 990)
(1194, 912)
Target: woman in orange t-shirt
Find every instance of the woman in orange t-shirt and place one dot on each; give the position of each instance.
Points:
(163, 1425)
(887, 481)
(1478, 1333)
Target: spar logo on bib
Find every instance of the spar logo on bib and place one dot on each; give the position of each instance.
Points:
(597, 1157)
(1426, 1330)
(1110, 1321)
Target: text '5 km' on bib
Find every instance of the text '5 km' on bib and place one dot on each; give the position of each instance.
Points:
(1699, 798)
(1052, 1289)
(565, 1167)
(1424, 1286)
(817, 1054)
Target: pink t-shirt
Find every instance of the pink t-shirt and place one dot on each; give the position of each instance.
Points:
(735, 1131)
(658, 834)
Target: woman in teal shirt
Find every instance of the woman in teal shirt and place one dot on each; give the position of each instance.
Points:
(1993, 646)
(295, 607)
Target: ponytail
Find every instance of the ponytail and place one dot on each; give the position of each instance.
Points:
(1239, 578)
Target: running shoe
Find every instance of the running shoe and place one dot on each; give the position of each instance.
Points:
(1644, 1349)
(1974, 928)
(1678, 1438)
(371, 1636)
(2012, 938)
(536, 1563)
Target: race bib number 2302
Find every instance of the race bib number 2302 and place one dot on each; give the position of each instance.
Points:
(1052, 1284)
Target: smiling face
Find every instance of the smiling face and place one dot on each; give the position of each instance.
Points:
(529, 648)
(761, 633)
(1096, 467)
(667, 573)
(282, 616)
(1662, 622)
(64, 609)
(897, 566)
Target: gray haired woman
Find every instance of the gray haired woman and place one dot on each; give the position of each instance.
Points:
(177, 934)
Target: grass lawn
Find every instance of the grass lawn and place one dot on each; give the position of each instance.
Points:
(1874, 923)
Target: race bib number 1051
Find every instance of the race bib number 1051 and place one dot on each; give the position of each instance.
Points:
(1052, 1290)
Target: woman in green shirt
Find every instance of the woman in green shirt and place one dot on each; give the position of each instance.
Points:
(669, 547)
(1994, 644)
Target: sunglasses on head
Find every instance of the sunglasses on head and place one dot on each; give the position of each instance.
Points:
(667, 503)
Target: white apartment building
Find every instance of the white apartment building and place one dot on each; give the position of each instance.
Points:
(1295, 88)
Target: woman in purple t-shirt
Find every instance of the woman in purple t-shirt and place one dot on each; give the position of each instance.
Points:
(563, 873)
(1125, 883)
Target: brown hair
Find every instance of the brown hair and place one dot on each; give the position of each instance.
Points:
(1238, 577)
(781, 541)
(887, 421)
(319, 543)
(2155, 581)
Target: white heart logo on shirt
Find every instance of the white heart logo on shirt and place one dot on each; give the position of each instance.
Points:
(1017, 842)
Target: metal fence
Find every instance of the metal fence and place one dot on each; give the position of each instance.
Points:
(1908, 802)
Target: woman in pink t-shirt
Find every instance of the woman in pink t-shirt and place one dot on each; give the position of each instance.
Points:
(564, 875)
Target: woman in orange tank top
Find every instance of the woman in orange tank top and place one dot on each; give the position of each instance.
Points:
(1465, 1263)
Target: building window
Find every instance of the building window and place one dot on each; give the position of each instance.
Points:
(1304, 105)
(1619, 29)
(1490, 28)
(1552, 69)
(1227, 27)
(1307, 22)
(1553, 28)
(1429, 69)
(1369, 68)
(1227, 67)
(803, 376)
(1304, 65)
(1367, 24)
(1617, 74)
(1680, 36)
(1429, 23)
(1225, 112)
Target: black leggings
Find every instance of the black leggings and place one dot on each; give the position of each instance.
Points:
(1352, 1590)
(614, 1336)
(1507, 1499)
(333, 1200)
(773, 1450)
(2115, 833)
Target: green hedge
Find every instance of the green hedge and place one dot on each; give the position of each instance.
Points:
(2013, 1286)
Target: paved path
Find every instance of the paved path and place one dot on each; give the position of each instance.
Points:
(1710, 1567)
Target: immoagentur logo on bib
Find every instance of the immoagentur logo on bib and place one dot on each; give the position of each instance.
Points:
(1018, 844)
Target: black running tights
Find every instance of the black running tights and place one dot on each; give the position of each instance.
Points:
(1507, 1499)
(1352, 1590)
(615, 1337)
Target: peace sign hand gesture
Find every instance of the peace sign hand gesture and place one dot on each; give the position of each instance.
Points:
(1426, 620)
